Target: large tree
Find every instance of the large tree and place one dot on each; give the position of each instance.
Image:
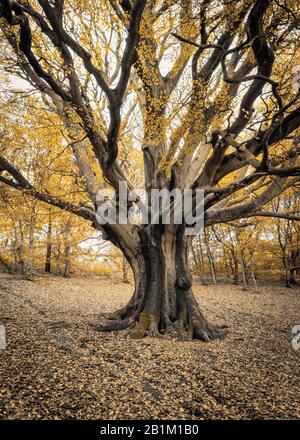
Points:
(203, 94)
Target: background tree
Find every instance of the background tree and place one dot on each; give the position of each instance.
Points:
(288, 235)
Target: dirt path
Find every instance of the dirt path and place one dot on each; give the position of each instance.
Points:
(55, 366)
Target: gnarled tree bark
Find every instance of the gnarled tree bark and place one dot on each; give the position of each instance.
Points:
(163, 302)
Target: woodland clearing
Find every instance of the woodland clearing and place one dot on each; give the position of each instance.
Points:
(55, 366)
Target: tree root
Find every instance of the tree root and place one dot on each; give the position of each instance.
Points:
(114, 326)
(210, 333)
(147, 326)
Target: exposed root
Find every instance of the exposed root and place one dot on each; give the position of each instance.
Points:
(119, 314)
(210, 333)
(149, 326)
(114, 326)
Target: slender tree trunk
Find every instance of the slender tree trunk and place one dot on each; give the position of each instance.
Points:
(242, 262)
(29, 267)
(252, 265)
(125, 269)
(58, 257)
(231, 266)
(245, 268)
(210, 259)
(201, 258)
(227, 267)
(201, 253)
(163, 301)
(293, 276)
(20, 249)
(287, 271)
(293, 265)
(198, 262)
(235, 261)
(49, 245)
(236, 270)
(244, 278)
(14, 249)
(67, 241)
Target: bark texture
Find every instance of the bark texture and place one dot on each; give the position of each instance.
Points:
(163, 302)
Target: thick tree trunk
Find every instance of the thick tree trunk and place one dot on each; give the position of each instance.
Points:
(163, 302)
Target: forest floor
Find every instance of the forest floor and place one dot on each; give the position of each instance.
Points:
(55, 366)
